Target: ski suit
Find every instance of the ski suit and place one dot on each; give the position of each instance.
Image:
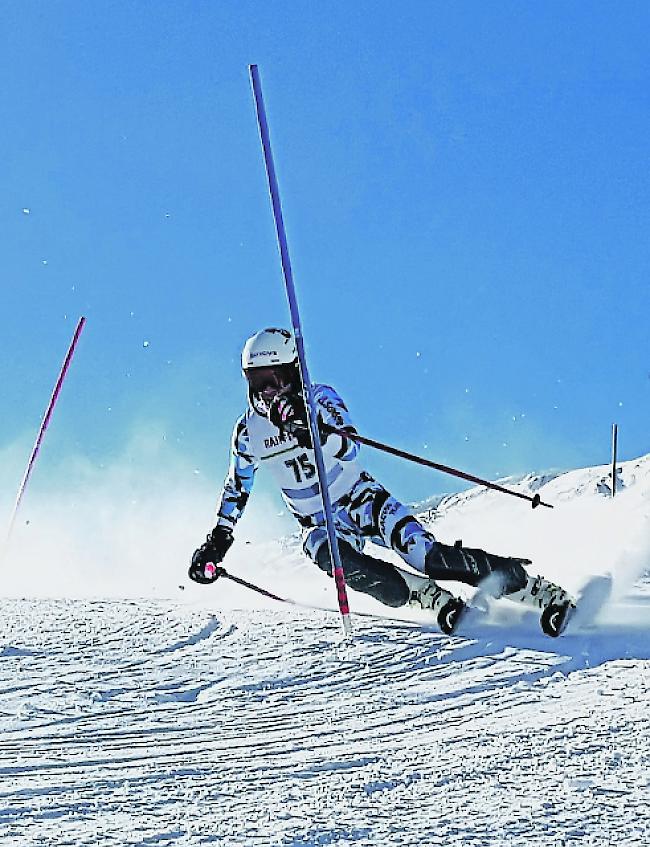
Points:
(363, 509)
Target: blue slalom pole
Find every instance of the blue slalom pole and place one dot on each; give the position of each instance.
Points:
(262, 123)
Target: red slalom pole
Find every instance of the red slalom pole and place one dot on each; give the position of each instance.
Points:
(44, 425)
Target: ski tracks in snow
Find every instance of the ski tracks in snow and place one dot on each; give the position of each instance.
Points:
(133, 723)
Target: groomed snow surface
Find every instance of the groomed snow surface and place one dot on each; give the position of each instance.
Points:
(211, 718)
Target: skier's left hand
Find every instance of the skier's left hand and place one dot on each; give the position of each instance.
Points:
(205, 574)
(204, 568)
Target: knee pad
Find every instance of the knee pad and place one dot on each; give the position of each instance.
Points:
(313, 541)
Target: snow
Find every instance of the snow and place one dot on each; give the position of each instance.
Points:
(214, 716)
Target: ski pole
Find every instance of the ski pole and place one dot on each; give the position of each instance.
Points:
(337, 567)
(223, 572)
(44, 424)
(411, 457)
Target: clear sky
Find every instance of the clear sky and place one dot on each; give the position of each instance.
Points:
(465, 188)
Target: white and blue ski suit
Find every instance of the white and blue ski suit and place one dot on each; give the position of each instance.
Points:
(363, 508)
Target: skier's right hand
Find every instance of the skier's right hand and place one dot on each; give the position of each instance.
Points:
(203, 568)
(289, 414)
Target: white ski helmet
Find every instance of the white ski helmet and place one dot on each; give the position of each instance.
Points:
(270, 364)
(267, 348)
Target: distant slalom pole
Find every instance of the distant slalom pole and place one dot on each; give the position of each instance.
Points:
(614, 456)
(262, 123)
(44, 425)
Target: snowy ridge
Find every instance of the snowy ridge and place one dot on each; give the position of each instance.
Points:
(551, 486)
(218, 717)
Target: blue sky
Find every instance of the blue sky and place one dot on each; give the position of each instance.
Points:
(465, 188)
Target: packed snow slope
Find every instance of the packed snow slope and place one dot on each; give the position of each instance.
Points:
(212, 718)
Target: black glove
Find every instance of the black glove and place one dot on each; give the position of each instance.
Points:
(209, 555)
(288, 413)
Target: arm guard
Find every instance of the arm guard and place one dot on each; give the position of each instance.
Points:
(334, 412)
(239, 482)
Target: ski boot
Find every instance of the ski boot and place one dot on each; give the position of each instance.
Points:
(556, 604)
(447, 609)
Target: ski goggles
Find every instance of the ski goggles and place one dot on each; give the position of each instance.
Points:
(275, 378)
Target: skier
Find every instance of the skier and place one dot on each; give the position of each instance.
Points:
(273, 432)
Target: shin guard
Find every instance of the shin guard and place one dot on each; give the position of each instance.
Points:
(366, 574)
